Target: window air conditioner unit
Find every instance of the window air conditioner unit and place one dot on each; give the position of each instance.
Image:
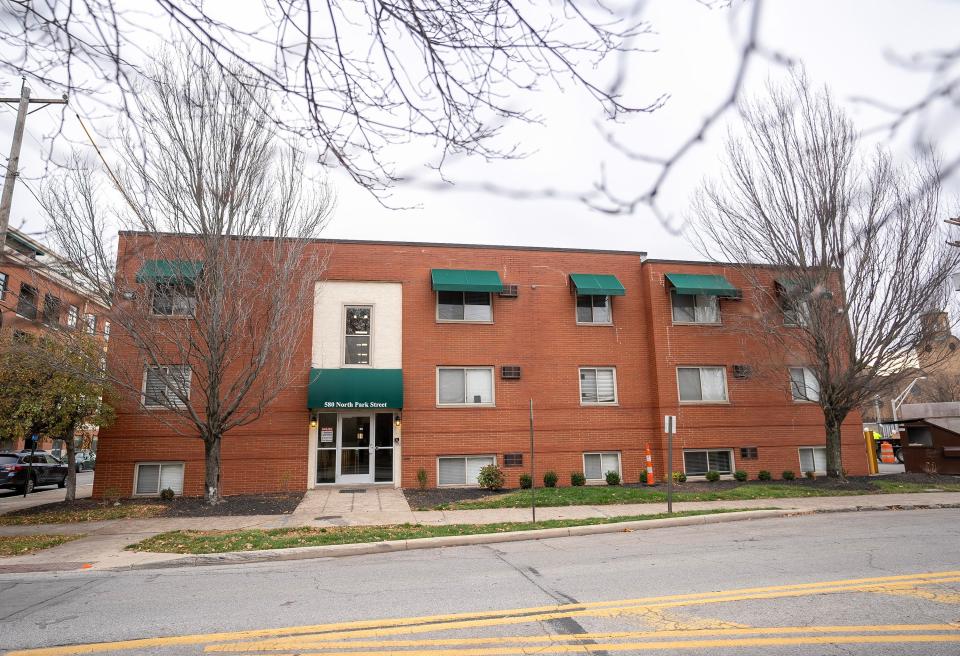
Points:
(509, 291)
(741, 371)
(510, 372)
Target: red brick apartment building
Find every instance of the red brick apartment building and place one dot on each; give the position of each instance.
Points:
(422, 359)
(38, 293)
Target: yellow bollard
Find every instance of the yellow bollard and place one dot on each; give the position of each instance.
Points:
(872, 466)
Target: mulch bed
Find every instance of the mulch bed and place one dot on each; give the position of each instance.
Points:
(240, 505)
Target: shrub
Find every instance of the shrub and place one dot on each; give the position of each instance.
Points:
(789, 475)
(167, 494)
(577, 479)
(713, 476)
(740, 475)
(613, 478)
(679, 477)
(550, 479)
(422, 478)
(526, 481)
(812, 475)
(490, 477)
(764, 475)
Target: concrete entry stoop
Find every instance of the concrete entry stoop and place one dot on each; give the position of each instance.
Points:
(345, 504)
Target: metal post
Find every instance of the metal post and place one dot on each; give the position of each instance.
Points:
(670, 472)
(533, 494)
(33, 450)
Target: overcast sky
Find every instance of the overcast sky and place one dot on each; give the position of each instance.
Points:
(844, 45)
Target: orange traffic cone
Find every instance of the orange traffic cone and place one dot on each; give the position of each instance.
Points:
(886, 453)
(650, 480)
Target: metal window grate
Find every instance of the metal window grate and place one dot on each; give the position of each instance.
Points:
(510, 372)
(748, 453)
(509, 291)
(742, 371)
(513, 460)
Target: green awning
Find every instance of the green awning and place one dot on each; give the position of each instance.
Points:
(597, 284)
(703, 284)
(166, 271)
(344, 389)
(465, 280)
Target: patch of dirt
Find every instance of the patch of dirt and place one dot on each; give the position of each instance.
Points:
(431, 498)
(246, 504)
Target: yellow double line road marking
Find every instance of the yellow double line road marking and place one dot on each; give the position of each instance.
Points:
(428, 624)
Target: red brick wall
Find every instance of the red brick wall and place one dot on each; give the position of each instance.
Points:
(537, 331)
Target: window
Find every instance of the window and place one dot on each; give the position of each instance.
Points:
(464, 306)
(513, 460)
(593, 309)
(699, 462)
(4, 282)
(748, 453)
(461, 470)
(813, 458)
(596, 465)
(73, 315)
(90, 323)
(919, 436)
(688, 308)
(152, 477)
(702, 384)
(51, 310)
(356, 348)
(465, 386)
(796, 312)
(106, 331)
(803, 385)
(161, 385)
(174, 300)
(27, 303)
(598, 386)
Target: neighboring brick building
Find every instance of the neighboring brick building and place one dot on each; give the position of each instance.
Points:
(424, 357)
(38, 293)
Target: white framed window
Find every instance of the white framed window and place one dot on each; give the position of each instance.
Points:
(90, 323)
(150, 478)
(596, 465)
(813, 458)
(464, 306)
(27, 301)
(73, 316)
(702, 384)
(173, 300)
(106, 331)
(804, 387)
(796, 312)
(358, 334)
(465, 386)
(161, 385)
(594, 310)
(689, 308)
(697, 462)
(4, 283)
(598, 386)
(461, 470)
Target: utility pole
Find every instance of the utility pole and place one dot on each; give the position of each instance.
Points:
(23, 104)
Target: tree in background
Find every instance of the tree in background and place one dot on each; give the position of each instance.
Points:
(856, 245)
(50, 385)
(215, 287)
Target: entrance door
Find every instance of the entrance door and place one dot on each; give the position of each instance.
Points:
(356, 446)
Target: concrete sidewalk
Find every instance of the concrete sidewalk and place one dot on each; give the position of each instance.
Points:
(11, 500)
(102, 546)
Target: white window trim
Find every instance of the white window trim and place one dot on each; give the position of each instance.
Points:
(343, 335)
(726, 388)
(4, 283)
(593, 323)
(436, 311)
(703, 477)
(818, 472)
(719, 322)
(616, 392)
(603, 478)
(73, 316)
(143, 387)
(172, 315)
(493, 388)
(806, 370)
(136, 475)
(493, 456)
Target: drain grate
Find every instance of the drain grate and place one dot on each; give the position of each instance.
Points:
(352, 490)
(326, 517)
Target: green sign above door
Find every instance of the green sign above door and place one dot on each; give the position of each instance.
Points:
(355, 389)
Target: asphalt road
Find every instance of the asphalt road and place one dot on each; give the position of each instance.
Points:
(11, 500)
(854, 583)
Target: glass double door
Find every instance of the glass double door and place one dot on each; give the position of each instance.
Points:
(362, 451)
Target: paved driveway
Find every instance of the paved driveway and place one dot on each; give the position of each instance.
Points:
(11, 500)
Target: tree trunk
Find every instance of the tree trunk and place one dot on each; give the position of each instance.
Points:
(71, 465)
(212, 475)
(832, 422)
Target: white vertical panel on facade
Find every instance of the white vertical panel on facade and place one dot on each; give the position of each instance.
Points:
(386, 299)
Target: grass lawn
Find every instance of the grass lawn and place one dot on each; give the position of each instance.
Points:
(203, 542)
(84, 514)
(21, 545)
(609, 494)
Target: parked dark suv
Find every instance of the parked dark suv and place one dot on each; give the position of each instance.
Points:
(15, 470)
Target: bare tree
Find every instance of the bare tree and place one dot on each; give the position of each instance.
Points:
(853, 247)
(212, 288)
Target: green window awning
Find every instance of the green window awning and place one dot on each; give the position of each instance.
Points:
(166, 271)
(597, 284)
(344, 389)
(465, 280)
(703, 284)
